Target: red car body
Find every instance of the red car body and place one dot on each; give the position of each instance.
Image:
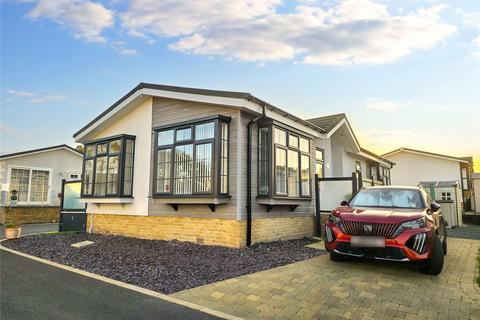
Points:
(400, 244)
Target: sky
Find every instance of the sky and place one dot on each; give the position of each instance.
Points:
(406, 73)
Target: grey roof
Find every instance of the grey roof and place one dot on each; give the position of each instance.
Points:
(438, 184)
(329, 122)
(376, 155)
(21, 153)
(216, 93)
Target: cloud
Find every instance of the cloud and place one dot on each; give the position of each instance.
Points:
(382, 105)
(33, 98)
(16, 93)
(472, 20)
(5, 129)
(85, 18)
(349, 32)
(378, 104)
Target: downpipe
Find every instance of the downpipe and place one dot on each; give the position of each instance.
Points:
(249, 175)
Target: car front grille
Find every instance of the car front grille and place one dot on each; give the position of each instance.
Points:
(358, 228)
(388, 253)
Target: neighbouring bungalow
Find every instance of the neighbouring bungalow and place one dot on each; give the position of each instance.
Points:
(212, 167)
(36, 176)
(446, 178)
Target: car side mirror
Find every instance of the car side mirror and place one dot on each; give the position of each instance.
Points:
(344, 203)
(434, 207)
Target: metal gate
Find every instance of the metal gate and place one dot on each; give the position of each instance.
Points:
(73, 215)
(329, 192)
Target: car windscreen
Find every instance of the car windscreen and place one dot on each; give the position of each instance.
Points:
(388, 198)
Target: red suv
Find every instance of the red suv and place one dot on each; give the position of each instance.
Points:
(389, 223)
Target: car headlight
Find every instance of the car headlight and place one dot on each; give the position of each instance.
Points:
(336, 221)
(414, 224)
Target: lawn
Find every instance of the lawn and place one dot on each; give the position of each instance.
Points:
(163, 266)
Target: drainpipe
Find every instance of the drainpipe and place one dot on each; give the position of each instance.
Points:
(249, 175)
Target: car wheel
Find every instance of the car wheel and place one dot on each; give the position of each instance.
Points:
(435, 264)
(444, 243)
(336, 257)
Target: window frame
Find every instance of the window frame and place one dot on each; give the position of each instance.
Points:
(272, 172)
(121, 166)
(28, 202)
(216, 159)
(322, 162)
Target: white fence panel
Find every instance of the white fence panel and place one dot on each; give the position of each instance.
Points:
(334, 192)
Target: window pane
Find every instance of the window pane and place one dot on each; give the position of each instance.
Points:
(112, 175)
(263, 167)
(305, 175)
(184, 134)
(203, 167)
(19, 181)
(165, 137)
(280, 136)
(88, 177)
(280, 171)
(128, 173)
(319, 155)
(183, 167)
(164, 158)
(39, 186)
(304, 145)
(100, 176)
(90, 151)
(102, 148)
(292, 141)
(224, 158)
(204, 131)
(293, 174)
(114, 146)
(319, 169)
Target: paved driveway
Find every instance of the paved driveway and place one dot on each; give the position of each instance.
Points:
(33, 290)
(321, 289)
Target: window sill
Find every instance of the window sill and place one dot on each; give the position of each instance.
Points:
(106, 200)
(211, 201)
(292, 203)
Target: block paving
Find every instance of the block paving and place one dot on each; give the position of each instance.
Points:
(320, 289)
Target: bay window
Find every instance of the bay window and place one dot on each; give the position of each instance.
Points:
(283, 163)
(192, 159)
(108, 167)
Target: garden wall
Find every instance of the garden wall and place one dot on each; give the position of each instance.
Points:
(23, 215)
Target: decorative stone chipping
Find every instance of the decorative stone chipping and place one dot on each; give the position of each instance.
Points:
(22, 215)
(209, 231)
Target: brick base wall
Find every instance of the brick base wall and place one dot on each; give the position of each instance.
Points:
(211, 231)
(271, 229)
(22, 215)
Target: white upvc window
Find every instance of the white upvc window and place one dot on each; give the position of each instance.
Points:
(33, 185)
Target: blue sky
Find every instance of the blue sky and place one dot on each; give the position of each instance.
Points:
(406, 73)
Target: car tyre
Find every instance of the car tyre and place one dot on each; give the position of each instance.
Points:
(435, 264)
(336, 257)
(444, 244)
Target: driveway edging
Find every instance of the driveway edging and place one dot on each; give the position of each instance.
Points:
(126, 285)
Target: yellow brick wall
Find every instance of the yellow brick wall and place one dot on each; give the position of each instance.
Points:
(210, 231)
(271, 229)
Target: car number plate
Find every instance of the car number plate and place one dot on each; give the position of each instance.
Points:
(373, 242)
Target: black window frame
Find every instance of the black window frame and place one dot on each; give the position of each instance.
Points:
(270, 125)
(322, 162)
(121, 166)
(216, 156)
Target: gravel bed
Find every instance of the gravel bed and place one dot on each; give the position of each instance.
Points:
(469, 231)
(163, 266)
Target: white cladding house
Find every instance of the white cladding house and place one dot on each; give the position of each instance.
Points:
(213, 167)
(446, 178)
(37, 174)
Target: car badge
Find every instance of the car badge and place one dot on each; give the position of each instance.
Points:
(368, 228)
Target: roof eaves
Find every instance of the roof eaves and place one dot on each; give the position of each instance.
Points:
(22, 153)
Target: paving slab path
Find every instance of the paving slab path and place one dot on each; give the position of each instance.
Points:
(320, 289)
